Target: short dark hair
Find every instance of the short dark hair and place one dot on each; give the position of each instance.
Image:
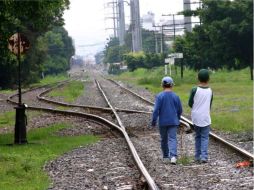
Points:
(166, 85)
(203, 75)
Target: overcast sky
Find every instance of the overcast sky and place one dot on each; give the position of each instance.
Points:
(85, 20)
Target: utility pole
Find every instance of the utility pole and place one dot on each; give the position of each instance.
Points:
(121, 22)
(156, 41)
(135, 26)
(187, 19)
(162, 40)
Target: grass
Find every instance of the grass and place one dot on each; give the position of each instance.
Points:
(45, 81)
(69, 92)
(21, 166)
(7, 92)
(7, 119)
(232, 108)
(185, 160)
(50, 79)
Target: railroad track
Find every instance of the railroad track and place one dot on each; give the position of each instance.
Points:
(147, 178)
(140, 138)
(186, 120)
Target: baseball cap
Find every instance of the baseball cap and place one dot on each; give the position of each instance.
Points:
(203, 75)
(167, 81)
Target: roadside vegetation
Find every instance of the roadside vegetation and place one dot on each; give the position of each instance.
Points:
(7, 119)
(50, 79)
(69, 92)
(232, 108)
(21, 166)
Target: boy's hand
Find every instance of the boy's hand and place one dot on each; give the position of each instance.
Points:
(151, 126)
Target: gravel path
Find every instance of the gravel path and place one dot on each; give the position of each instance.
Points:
(104, 165)
(4, 106)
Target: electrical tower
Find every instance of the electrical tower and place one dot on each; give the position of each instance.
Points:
(135, 26)
(118, 17)
(113, 5)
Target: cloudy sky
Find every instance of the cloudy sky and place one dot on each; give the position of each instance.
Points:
(86, 24)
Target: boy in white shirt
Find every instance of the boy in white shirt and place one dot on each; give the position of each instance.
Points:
(200, 101)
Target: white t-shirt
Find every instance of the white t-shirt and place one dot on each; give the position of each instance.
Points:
(200, 113)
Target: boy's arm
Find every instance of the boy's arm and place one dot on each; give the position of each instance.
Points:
(191, 98)
(211, 100)
(155, 111)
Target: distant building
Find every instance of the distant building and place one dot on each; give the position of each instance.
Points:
(148, 21)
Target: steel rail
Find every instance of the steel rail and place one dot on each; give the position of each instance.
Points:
(184, 120)
(42, 98)
(9, 99)
(230, 145)
(152, 185)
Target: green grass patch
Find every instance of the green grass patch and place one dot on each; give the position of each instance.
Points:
(69, 92)
(50, 79)
(8, 92)
(232, 108)
(47, 80)
(62, 108)
(21, 166)
(7, 119)
(185, 160)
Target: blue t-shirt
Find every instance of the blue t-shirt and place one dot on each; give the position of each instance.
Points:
(168, 108)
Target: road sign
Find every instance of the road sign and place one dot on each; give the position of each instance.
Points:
(13, 43)
(170, 61)
(176, 55)
(179, 55)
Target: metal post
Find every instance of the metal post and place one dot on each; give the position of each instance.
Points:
(19, 70)
(174, 27)
(20, 125)
(162, 39)
(156, 43)
(181, 68)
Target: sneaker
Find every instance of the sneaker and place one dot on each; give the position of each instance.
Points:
(166, 160)
(203, 161)
(173, 160)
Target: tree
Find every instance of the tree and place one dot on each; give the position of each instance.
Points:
(114, 52)
(223, 40)
(57, 48)
(33, 18)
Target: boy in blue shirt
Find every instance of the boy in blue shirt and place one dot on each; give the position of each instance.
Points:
(168, 108)
(200, 101)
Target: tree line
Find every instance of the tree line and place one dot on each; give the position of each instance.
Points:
(50, 46)
(224, 39)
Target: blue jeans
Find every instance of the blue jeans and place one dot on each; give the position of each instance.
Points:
(201, 142)
(168, 141)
